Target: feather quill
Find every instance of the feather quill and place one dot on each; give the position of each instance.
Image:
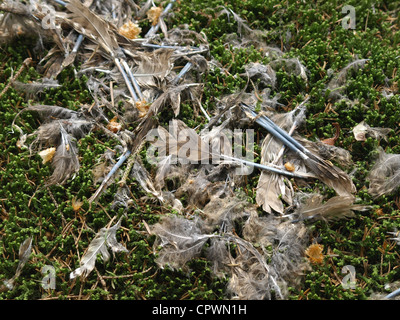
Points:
(185, 144)
(323, 169)
(271, 185)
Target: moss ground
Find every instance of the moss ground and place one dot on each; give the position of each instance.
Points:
(309, 30)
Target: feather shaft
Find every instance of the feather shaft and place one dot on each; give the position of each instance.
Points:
(109, 175)
(184, 70)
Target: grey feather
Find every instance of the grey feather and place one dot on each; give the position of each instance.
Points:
(273, 189)
(384, 176)
(92, 26)
(337, 83)
(312, 206)
(155, 65)
(104, 239)
(264, 73)
(25, 250)
(142, 176)
(180, 241)
(65, 162)
(36, 87)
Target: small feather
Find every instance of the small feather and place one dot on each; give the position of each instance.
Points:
(362, 131)
(384, 176)
(312, 206)
(264, 73)
(92, 26)
(65, 162)
(25, 250)
(155, 66)
(273, 189)
(104, 239)
(180, 240)
(36, 87)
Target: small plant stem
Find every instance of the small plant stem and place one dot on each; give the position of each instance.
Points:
(24, 65)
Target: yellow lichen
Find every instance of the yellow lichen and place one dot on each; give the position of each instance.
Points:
(76, 204)
(47, 154)
(154, 15)
(143, 108)
(130, 30)
(113, 125)
(314, 253)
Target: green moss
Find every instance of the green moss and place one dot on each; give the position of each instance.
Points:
(307, 30)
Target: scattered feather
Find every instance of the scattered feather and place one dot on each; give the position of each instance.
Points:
(312, 206)
(104, 239)
(65, 162)
(292, 65)
(384, 177)
(153, 67)
(264, 73)
(337, 83)
(92, 26)
(362, 131)
(36, 87)
(274, 189)
(143, 178)
(25, 250)
(180, 241)
(329, 152)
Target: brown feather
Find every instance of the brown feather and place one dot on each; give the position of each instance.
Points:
(92, 26)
